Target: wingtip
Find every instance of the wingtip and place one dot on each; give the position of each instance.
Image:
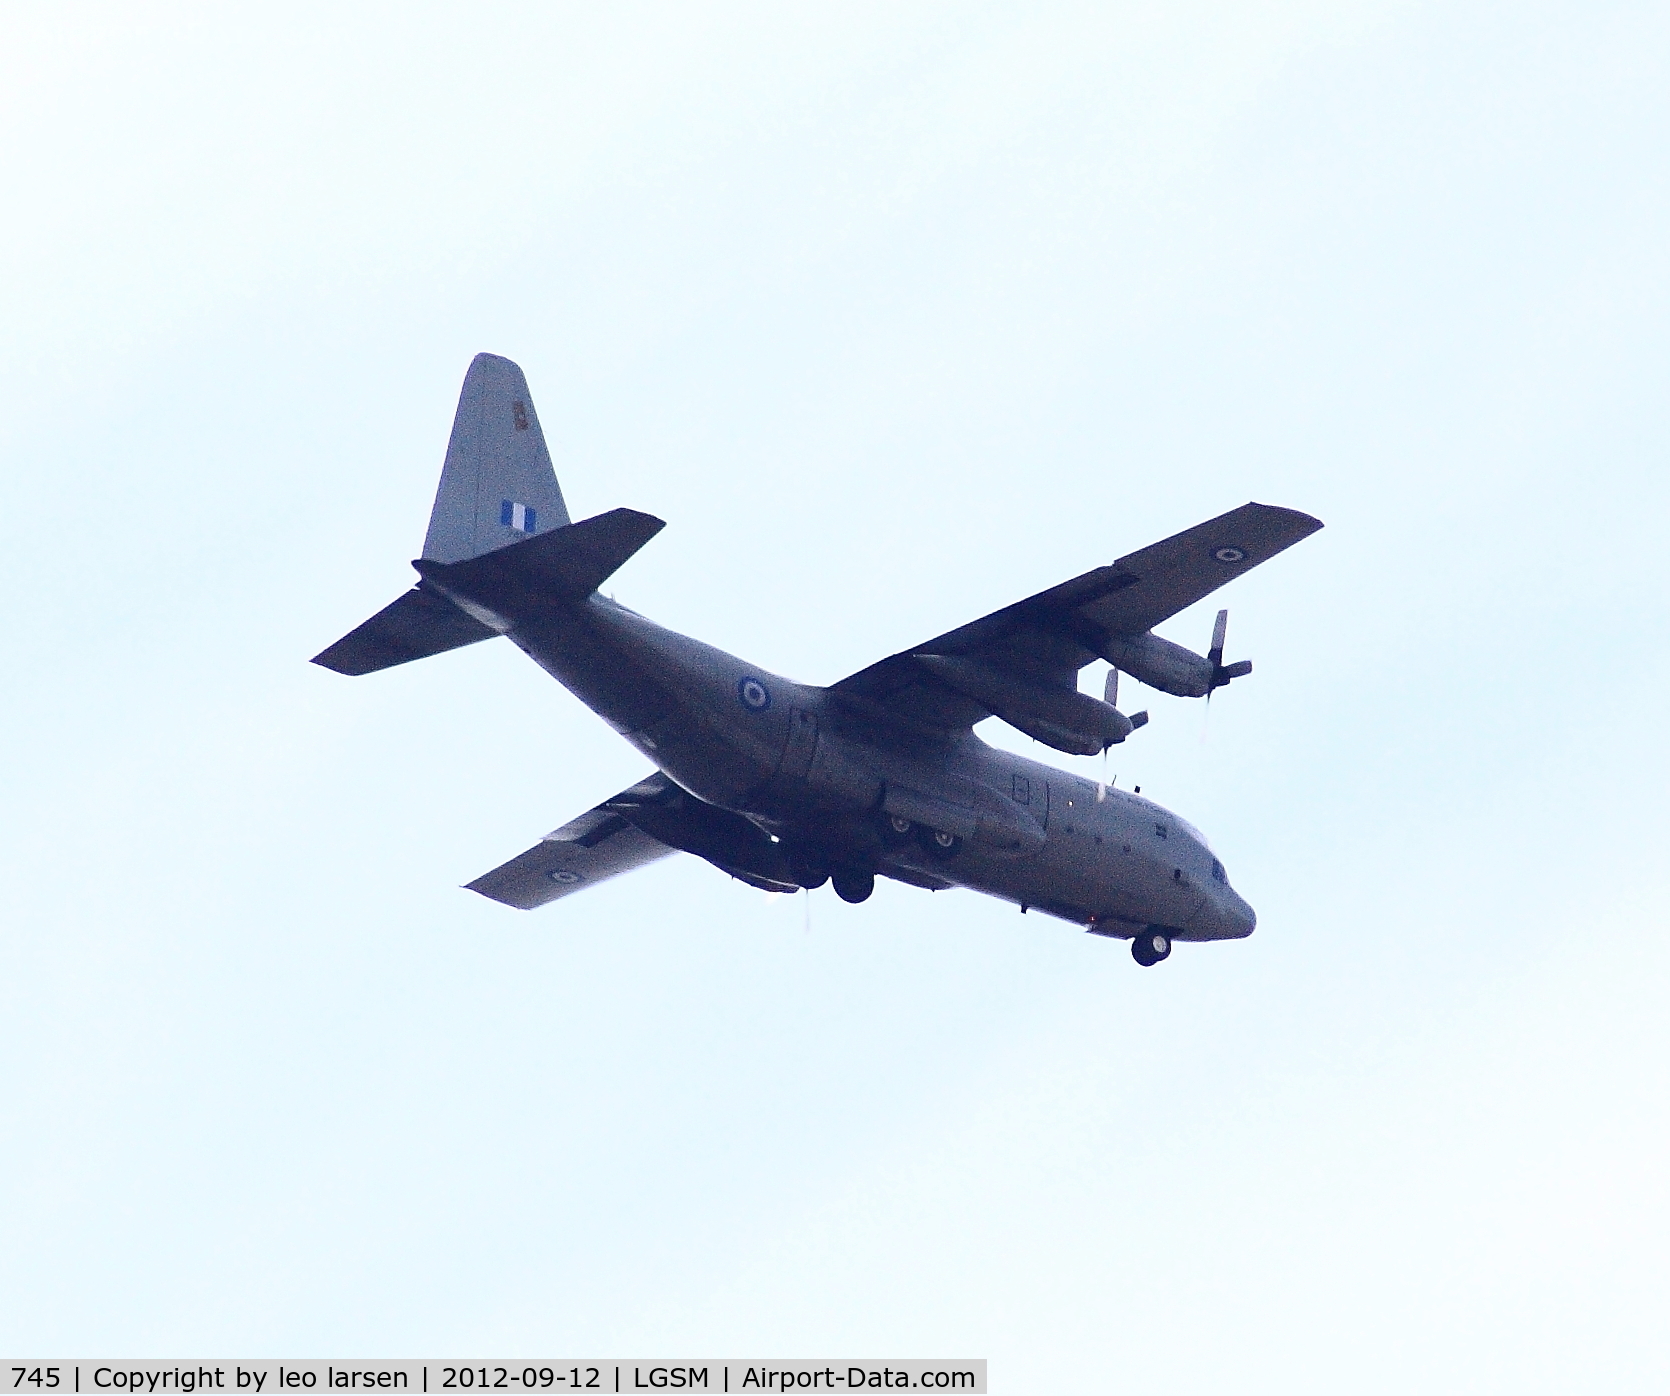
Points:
(325, 659)
(1298, 516)
(649, 520)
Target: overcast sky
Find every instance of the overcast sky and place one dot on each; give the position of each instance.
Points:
(896, 313)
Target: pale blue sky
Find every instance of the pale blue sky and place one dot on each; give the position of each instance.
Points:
(896, 314)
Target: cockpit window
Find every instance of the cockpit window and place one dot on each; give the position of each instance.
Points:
(1218, 873)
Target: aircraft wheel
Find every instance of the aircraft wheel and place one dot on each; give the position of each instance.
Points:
(896, 831)
(1150, 947)
(940, 844)
(852, 885)
(810, 872)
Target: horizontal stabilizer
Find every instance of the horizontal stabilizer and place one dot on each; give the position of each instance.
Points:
(419, 624)
(565, 564)
(600, 844)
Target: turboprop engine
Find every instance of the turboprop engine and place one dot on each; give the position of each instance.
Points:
(1160, 664)
(1171, 668)
(1062, 718)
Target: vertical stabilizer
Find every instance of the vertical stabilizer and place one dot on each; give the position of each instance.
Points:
(498, 486)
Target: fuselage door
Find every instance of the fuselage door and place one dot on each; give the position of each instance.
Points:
(1033, 796)
(801, 746)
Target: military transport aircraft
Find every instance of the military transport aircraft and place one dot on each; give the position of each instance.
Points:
(787, 785)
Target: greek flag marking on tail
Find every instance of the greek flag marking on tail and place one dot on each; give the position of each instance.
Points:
(517, 516)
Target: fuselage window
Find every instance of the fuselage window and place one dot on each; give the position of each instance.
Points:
(1022, 790)
(1159, 831)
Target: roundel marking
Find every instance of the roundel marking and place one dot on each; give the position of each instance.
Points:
(566, 877)
(1229, 555)
(754, 694)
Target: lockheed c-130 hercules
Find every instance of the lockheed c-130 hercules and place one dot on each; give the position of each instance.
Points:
(788, 785)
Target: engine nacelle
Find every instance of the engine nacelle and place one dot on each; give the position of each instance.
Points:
(1160, 664)
(1062, 718)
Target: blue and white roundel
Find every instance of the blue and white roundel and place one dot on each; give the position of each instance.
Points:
(754, 694)
(1229, 555)
(565, 877)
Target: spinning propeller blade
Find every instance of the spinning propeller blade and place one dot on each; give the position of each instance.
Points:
(1222, 673)
(1110, 696)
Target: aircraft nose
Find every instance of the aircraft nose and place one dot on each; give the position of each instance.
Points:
(1226, 916)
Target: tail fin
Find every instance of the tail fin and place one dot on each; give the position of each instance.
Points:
(498, 486)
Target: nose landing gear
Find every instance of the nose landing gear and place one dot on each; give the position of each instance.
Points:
(1149, 948)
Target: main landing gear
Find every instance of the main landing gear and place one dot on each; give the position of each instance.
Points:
(852, 884)
(941, 844)
(1150, 947)
(897, 832)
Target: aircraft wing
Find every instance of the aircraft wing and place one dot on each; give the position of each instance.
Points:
(600, 844)
(1051, 636)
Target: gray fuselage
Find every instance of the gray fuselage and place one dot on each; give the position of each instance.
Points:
(838, 782)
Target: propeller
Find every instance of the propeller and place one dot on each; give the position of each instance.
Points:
(1110, 696)
(1222, 673)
